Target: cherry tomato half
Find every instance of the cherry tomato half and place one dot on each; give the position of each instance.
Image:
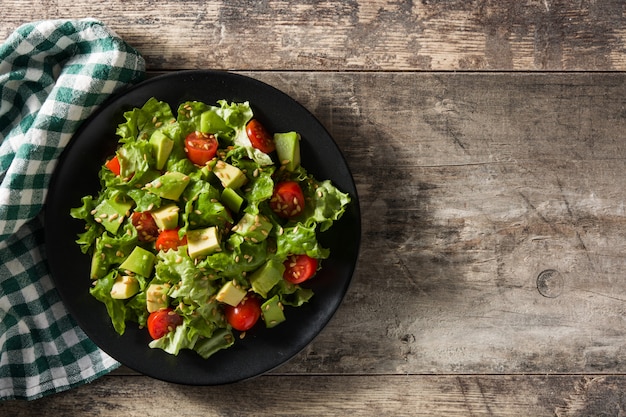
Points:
(113, 165)
(168, 239)
(147, 230)
(200, 147)
(287, 200)
(299, 268)
(259, 137)
(162, 322)
(245, 315)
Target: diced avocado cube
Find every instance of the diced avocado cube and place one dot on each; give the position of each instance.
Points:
(166, 217)
(231, 293)
(232, 199)
(211, 122)
(272, 311)
(121, 203)
(288, 149)
(169, 185)
(140, 261)
(230, 176)
(263, 279)
(254, 227)
(99, 267)
(124, 287)
(156, 297)
(112, 212)
(202, 242)
(162, 147)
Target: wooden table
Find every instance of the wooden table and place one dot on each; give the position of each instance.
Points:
(487, 141)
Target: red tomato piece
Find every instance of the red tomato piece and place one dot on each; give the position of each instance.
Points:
(259, 137)
(162, 322)
(200, 147)
(168, 239)
(287, 200)
(299, 268)
(113, 165)
(147, 230)
(245, 315)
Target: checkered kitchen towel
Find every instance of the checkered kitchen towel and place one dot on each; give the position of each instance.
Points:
(53, 74)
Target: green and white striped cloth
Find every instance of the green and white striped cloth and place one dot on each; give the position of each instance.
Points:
(53, 75)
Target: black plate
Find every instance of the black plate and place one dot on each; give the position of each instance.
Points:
(262, 349)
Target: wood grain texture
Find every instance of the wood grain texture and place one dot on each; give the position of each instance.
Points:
(354, 35)
(315, 395)
(471, 186)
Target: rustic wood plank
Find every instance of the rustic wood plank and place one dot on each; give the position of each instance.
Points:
(357, 35)
(399, 395)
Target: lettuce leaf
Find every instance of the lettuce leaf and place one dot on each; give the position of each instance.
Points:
(116, 308)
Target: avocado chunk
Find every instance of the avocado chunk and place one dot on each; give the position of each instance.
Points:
(111, 212)
(268, 275)
(231, 293)
(156, 297)
(253, 227)
(99, 264)
(162, 147)
(202, 242)
(232, 199)
(211, 122)
(169, 185)
(166, 217)
(140, 262)
(288, 149)
(124, 287)
(230, 176)
(272, 311)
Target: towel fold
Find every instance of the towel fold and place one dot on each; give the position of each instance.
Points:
(53, 75)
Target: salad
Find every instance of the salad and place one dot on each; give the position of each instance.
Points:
(205, 225)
